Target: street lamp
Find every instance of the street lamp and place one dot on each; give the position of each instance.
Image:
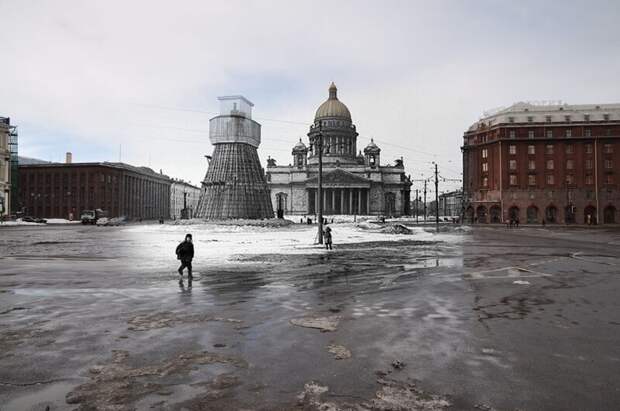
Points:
(318, 146)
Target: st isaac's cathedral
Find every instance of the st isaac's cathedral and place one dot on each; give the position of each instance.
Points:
(353, 182)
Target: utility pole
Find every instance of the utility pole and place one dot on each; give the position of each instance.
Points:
(318, 144)
(425, 201)
(417, 200)
(436, 198)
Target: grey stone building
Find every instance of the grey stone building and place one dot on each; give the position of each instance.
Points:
(354, 182)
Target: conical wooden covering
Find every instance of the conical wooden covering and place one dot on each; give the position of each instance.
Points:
(234, 186)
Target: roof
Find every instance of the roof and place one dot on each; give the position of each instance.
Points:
(529, 112)
(372, 147)
(332, 107)
(339, 177)
(123, 166)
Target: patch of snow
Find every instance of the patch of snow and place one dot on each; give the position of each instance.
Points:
(521, 282)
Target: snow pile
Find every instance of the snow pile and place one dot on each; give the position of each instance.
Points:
(396, 229)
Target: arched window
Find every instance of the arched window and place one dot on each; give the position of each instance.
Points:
(551, 214)
(532, 214)
(495, 214)
(481, 214)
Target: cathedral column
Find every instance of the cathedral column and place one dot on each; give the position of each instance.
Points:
(324, 200)
(333, 190)
(359, 201)
(350, 200)
(368, 201)
(342, 201)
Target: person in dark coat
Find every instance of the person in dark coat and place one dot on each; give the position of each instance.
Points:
(185, 253)
(327, 238)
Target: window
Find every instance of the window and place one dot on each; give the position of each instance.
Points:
(485, 153)
(549, 164)
(589, 179)
(570, 164)
(511, 134)
(606, 117)
(588, 148)
(549, 133)
(530, 134)
(531, 180)
(586, 117)
(531, 165)
(567, 119)
(608, 148)
(609, 179)
(569, 132)
(513, 164)
(548, 119)
(570, 179)
(588, 132)
(513, 180)
(485, 181)
(569, 149)
(588, 164)
(531, 149)
(549, 149)
(530, 119)
(485, 167)
(511, 119)
(512, 149)
(609, 164)
(550, 179)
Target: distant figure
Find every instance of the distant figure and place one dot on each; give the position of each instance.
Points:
(327, 238)
(517, 222)
(544, 223)
(185, 253)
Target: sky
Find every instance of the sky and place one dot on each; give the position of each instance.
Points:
(139, 80)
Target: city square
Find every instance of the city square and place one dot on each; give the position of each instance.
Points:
(460, 318)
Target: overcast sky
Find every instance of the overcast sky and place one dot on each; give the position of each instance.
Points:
(142, 77)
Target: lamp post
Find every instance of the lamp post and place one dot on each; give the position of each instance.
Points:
(319, 146)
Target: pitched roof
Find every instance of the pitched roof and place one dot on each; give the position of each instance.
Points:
(339, 177)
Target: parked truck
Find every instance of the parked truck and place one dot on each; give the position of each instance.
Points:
(91, 216)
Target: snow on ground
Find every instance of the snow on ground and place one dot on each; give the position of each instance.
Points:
(220, 243)
(19, 222)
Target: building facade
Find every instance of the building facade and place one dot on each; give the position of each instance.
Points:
(57, 190)
(451, 204)
(555, 162)
(353, 183)
(9, 179)
(183, 199)
(234, 185)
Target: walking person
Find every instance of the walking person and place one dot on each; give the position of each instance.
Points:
(327, 238)
(185, 253)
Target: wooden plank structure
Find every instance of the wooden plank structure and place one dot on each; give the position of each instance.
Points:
(234, 186)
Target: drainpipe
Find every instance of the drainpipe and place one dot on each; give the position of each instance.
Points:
(596, 177)
(501, 191)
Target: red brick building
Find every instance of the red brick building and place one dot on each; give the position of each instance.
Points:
(560, 163)
(58, 190)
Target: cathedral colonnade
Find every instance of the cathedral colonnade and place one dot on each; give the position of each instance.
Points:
(340, 200)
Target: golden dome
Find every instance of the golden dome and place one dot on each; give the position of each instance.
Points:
(332, 107)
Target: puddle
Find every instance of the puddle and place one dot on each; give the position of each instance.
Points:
(52, 395)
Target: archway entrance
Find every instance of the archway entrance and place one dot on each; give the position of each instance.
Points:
(513, 213)
(589, 215)
(481, 214)
(609, 215)
(551, 215)
(495, 214)
(532, 215)
(390, 204)
(569, 215)
(281, 204)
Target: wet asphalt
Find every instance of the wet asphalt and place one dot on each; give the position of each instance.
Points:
(488, 318)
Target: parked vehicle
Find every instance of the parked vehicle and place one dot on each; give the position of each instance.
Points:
(91, 216)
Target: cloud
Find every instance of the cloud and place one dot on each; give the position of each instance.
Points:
(90, 76)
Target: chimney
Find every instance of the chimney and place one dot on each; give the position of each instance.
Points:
(69, 158)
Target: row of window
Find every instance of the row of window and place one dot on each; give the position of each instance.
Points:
(567, 118)
(550, 179)
(608, 148)
(550, 165)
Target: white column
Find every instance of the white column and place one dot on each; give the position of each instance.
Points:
(359, 201)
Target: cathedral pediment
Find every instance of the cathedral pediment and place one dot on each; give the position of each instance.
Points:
(339, 178)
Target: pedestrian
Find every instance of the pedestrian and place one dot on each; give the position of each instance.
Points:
(185, 253)
(327, 237)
